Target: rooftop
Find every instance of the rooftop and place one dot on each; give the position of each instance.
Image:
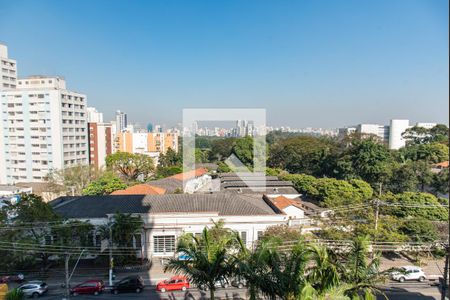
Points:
(140, 189)
(224, 204)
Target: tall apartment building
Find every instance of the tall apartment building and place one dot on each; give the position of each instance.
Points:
(8, 70)
(100, 143)
(151, 143)
(100, 138)
(121, 121)
(43, 126)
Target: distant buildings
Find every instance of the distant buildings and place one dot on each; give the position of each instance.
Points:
(43, 128)
(390, 134)
(121, 121)
(149, 143)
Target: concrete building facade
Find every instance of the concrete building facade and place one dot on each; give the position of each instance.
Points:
(149, 143)
(100, 143)
(8, 70)
(43, 126)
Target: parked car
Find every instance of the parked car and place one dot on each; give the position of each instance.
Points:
(128, 284)
(221, 283)
(34, 289)
(88, 287)
(239, 282)
(173, 284)
(19, 278)
(409, 273)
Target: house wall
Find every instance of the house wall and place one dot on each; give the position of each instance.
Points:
(174, 226)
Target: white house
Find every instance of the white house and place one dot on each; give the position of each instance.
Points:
(166, 217)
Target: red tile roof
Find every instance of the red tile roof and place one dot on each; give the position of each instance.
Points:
(282, 202)
(190, 174)
(140, 189)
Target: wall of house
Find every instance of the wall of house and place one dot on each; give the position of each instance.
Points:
(162, 231)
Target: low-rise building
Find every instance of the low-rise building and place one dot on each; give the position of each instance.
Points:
(167, 217)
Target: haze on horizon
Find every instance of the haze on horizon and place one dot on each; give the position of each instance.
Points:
(310, 64)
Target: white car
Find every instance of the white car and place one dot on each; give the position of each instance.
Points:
(409, 273)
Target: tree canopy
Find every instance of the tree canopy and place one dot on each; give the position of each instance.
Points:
(132, 167)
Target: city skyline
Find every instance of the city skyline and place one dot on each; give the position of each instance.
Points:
(172, 56)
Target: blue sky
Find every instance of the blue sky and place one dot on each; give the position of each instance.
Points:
(309, 63)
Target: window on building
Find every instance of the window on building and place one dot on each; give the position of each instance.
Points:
(243, 235)
(260, 234)
(164, 243)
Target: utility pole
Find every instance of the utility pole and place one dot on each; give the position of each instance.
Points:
(67, 275)
(377, 212)
(444, 287)
(111, 260)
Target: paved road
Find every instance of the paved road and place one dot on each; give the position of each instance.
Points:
(406, 291)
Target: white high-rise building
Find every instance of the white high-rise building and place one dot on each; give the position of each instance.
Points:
(43, 126)
(93, 116)
(121, 121)
(396, 129)
(8, 70)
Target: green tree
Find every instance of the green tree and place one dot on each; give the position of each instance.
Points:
(303, 183)
(421, 135)
(419, 230)
(201, 156)
(48, 234)
(170, 158)
(243, 149)
(221, 148)
(131, 166)
(124, 227)
(403, 179)
(223, 168)
(104, 185)
(423, 173)
(208, 258)
(370, 161)
(302, 154)
(163, 172)
(15, 294)
(72, 180)
(430, 153)
(281, 233)
(440, 182)
(417, 205)
(417, 135)
(360, 273)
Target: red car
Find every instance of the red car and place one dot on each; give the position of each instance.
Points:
(173, 284)
(88, 287)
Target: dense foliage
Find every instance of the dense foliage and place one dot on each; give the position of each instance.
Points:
(295, 270)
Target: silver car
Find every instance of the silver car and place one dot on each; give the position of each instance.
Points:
(34, 288)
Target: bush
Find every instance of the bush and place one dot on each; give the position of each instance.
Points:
(15, 294)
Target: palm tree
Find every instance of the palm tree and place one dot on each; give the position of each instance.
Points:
(253, 267)
(209, 257)
(363, 275)
(322, 274)
(285, 276)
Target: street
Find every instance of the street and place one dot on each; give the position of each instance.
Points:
(410, 291)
